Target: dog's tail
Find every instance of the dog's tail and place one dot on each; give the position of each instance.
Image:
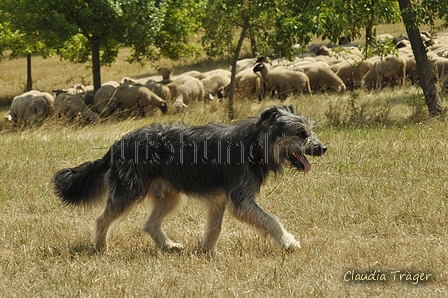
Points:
(82, 185)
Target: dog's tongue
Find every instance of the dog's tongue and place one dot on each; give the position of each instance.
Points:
(306, 164)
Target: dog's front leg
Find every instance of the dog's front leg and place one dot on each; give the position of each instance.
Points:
(215, 214)
(162, 206)
(249, 212)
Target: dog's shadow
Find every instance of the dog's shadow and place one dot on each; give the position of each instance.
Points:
(86, 249)
(82, 248)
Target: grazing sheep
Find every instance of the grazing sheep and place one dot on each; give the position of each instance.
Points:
(190, 89)
(130, 97)
(202, 75)
(48, 97)
(76, 89)
(324, 51)
(322, 78)
(162, 90)
(352, 73)
(89, 98)
(27, 109)
(72, 106)
(390, 70)
(86, 93)
(403, 44)
(247, 83)
(128, 80)
(166, 75)
(176, 83)
(411, 69)
(103, 95)
(222, 72)
(243, 64)
(439, 67)
(383, 38)
(283, 81)
(192, 73)
(444, 84)
(213, 82)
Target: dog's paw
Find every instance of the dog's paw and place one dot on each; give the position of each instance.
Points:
(101, 246)
(291, 244)
(173, 247)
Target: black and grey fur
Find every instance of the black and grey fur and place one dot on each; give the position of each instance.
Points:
(223, 165)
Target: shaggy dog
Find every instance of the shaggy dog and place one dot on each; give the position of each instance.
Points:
(222, 165)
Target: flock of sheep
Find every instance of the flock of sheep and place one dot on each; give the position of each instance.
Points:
(319, 70)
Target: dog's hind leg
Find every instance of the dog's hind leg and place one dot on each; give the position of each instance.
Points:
(121, 198)
(249, 212)
(116, 207)
(215, 214)
(162, 206)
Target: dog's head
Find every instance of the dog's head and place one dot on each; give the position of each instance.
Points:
(291, 136)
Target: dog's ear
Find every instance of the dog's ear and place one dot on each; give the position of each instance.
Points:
(289, 108)
(269, 115)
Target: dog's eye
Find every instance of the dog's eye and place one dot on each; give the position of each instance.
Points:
(303, 135)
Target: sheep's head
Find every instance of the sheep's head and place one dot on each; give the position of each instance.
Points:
(258, 67)
(164, 72)
(163, 106)
(8, 117)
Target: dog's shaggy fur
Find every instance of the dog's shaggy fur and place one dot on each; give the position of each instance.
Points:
(223, 165)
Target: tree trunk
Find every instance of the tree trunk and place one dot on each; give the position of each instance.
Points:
(29, 78)
(231, 111)
(426, 79)
(96, 66)
(253, 43)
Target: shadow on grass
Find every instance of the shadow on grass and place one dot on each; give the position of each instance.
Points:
(82, 248)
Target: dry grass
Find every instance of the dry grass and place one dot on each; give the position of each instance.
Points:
(376, 200)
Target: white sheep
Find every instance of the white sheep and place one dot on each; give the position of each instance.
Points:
(388, 70)
(128, 80)
(47, 96)
(132, 97)
(166, 75)
(439, 67)
(247, 83)
(243, 64)
(72, 106)
(192, 73)
(103, 95)
(28, 109)
(352, 73)
(163, 91)
(213, 82)
(190, 89)
(283, 81)
(322, 78)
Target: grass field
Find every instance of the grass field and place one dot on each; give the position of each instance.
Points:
(377, 200)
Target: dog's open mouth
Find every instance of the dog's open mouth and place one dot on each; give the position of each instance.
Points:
(299, 160)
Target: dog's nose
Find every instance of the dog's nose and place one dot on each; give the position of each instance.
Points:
(324, 149)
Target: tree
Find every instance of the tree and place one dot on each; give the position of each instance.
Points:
(284, 24)
(21, 43)
(426, 78)
(230, 16)
(84, 30)
(279, 25)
